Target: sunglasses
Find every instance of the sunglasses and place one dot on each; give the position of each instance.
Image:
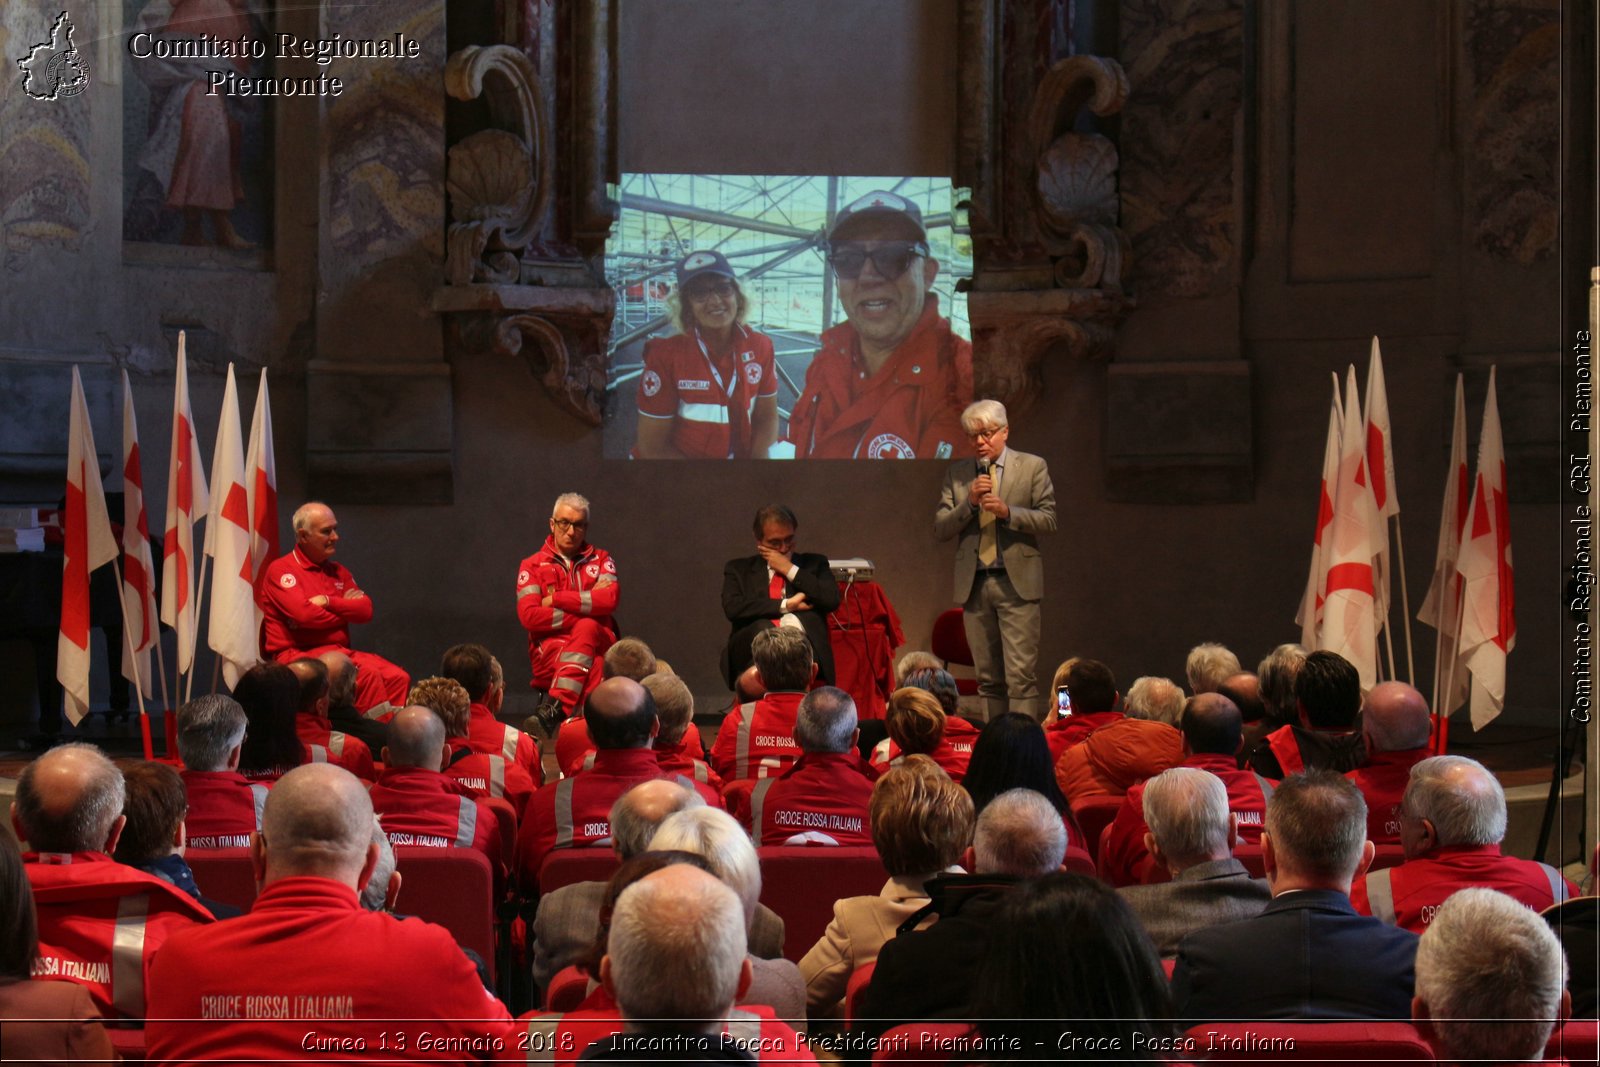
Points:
(890, 259)
(701, 293)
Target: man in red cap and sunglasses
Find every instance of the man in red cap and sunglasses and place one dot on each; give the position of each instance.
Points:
(891, 382)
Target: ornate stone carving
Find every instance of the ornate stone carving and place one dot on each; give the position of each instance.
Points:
(571, 363)
(500, 180)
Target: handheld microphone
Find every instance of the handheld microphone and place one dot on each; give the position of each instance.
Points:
(983, 467)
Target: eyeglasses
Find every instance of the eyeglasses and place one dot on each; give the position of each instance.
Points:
(890, 259)
(987, 435)
(567, 524)
(701, 293)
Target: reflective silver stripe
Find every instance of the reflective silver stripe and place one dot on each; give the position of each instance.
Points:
(880, 751)
(527, 590)
(563, 814)
(745, 1028)
(1266, 788)
(258, 793)
(318, 754)
(702, 773)
(467, 823)
(542, 1031)
(571, 685)
(497, 776)
(741, 750)
(758, 801)
(1558, 884)
(336, 743)
(588, 761)
(586, 602)
(508, 742)
(605, 580)
(577, 658)
(1380, 896)
(557, 617)
(378, 711)
(716, 414)
(127, 955)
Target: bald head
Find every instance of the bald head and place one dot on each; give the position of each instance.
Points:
(1244, 689)
(1211, 725)
(1395, 718)
(317, 821)
(620, 714)
(749, 685)
(70, 800)
(341, 678)
(416, 739)
(641, 810)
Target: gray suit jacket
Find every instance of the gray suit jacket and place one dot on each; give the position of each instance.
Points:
(568, 919)
(1206, 894)
(1025, 486)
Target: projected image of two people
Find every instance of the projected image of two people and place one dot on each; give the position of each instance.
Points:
(787, 318)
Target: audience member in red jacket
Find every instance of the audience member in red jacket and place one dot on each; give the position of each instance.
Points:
(1396, 724)
(309, 973)
(1142, 744)
(323, 743)
(918, 723)
(756, 740)
(1093, 703)
(677, 744)
(224, 805)
(1452, 819)
(100, 922)
(575, 812)
(481, 775)
(823, 799)
(480, 675)
(1484, 957)
(1327, 693)
(417, 804)
(1212, 733)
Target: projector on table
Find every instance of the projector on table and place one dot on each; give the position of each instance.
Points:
(857, 568)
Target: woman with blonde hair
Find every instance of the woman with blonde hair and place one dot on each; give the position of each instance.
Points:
(917, 724)
(709, 391)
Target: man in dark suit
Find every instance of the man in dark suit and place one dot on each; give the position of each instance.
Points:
(1192, 834)
(777, 586)
(1308, 955)
(997, 504)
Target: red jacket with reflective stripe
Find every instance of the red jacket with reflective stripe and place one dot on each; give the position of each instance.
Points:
(587, 587)
(294, 624)
(1383, 783)
(678, 384)
(756, 740)
(101, 922)
(493, 776)
(822, 799)
(576, 812)
(224, 808)
(1123, 859)
(574, 747)
(490, 736)
(422, 807)
(559, 1039)
(952, 753)
(348, 752)
(1418, 886)
(309, 964)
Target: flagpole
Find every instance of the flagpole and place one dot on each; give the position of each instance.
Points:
(1405, 602)
(133, 658)
(1388, 644)
(169, 724)
(1450, 678)
(199, 595)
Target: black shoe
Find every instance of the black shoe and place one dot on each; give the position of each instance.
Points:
(549, 715)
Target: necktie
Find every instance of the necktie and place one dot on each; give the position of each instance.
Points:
(988, 551)
(775, 591)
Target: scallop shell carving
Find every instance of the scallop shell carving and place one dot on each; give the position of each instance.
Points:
(1077, 182)
(491, 178)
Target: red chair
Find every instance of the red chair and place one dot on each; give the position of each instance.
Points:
(128, 1041)
(224, 875)
(801, 882)
(1079, 861)
(1250, 856)
(856, 991)
(453, 887)
(566, 866)
(1576, 1041)
(949, 643)
(1339, 1041)
(569, 987)
(1094, 814)
(925, 1042)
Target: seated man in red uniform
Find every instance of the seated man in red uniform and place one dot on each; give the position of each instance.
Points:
(480, 774)
(309, 972)
(100, 921)
(822, 799)
(309, 601)
(566, 594)
(628, 657)
(892, 381)
(417, 804)
(1396, 724)
(224, 805)
(322, 742)
(1212, 731)
(1452, 819)
(1093, 701)
(756, 740)
(677, 743)
(576, 812)
(1327, 693)
(480, 675)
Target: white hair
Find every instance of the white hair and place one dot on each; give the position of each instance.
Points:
(575, 501)
(1019, 833)
(676, 948)
(983, 413)
(302, 514)
(1208, 666)
(1187, 812)
(1460, 797)
(1488, 957)
(717, 836)
(1155, 699)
